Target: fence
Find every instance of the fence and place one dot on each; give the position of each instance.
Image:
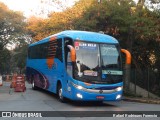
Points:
(146, 81)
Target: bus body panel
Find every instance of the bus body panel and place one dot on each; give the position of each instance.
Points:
(81, 35)
(71, 91)
(47, 78)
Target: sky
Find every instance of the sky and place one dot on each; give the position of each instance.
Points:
(39, 8)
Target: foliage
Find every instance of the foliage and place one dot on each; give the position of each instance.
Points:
(57, 21)
(19, 58)
(11, 28)
(4, 61)
(11, 25)
(36, 28)
(136, 27)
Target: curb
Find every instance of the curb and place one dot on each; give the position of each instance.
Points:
(142, 100)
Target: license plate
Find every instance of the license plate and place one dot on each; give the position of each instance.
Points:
(100, 97)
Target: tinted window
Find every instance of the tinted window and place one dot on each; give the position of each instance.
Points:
(38, 51)
(59, 50)
(46, 50)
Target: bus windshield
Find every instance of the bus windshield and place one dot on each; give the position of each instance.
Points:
(97, 63)
(110, 57)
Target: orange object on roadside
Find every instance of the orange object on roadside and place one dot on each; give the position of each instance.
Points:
(20, 84)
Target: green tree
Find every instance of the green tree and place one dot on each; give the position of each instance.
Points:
(19, 56)
(57, 21)
(11, 25)
(5, 61)
(11, 28)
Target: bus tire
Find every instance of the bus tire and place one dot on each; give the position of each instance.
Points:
(33, 84)
(59, 93)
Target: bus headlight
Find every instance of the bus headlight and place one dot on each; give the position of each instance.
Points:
(119, 88)
(79, 87)
(118, 97)
(79, 95)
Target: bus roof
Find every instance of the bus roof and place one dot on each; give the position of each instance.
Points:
(82, 36)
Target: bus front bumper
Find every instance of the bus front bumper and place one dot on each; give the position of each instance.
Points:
(80, 94)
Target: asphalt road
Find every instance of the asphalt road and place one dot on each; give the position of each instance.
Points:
(40, 100)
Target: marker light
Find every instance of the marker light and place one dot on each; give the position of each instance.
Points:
(80, 87)
(118, 97)
(119, 89)
(79, 95)
(77, 86)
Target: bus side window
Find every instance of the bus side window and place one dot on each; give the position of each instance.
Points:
(69, 65)
(68, 41)
(59, 50)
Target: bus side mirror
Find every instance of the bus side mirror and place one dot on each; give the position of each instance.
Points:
(127, 69)
(128, 56)
(73, 53)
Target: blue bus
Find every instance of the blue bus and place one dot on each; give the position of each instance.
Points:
(77, 65)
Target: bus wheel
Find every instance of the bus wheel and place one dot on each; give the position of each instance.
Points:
(60, 91)
(33, 85)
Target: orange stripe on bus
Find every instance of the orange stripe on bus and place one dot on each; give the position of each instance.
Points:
(88, 84)
(53, 38)
(50, 60)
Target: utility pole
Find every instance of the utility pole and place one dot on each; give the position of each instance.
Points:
(99, 1)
